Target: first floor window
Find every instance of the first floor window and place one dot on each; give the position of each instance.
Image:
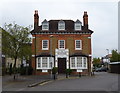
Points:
(45, 44)
(44, 62)
(78, 44)
(61, 44)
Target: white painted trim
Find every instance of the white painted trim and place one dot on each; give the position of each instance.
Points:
(59, 44)
(44, 28)
(89, 37)
(75, 24)
(44, 70)
(33, 55)
(58, 55)
(76, 63)
(47, 45)
(79, 70)
(33, 37)
(80, 45)
(90, 55)
(61, 23)
(48, 63)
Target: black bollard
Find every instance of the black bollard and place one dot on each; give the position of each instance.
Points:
(79, 74)
(66, 75)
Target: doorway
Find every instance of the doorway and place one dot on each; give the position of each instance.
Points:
(61, 65)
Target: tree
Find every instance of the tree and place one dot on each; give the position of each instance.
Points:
(115, 56)
(96, 62)
(15, 40)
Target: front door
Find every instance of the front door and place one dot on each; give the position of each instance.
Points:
(61, 65)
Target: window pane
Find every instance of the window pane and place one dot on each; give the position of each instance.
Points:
(79, 61)
(61, 44)
(44, 62)
(45, 26)
(73, 62)
(77, 26)
(78, 44)
(39, 62)
(84, 61)
(45, 43)
(61, 25)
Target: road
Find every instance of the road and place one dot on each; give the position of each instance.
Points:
(102, 81)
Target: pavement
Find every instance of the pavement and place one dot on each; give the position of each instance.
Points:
(8, 83)
(100, 81)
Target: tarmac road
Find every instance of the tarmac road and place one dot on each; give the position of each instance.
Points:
(102, 81)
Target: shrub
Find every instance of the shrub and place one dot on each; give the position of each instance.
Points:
(54, 70)
(26, 70)
(68, 71)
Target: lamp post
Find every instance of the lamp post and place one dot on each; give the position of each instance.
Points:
(107, 57)
(51, 53)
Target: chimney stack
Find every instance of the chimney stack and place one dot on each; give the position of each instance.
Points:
(36, 19)
(85, 20)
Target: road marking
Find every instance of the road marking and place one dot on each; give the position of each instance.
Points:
(45, 83)
(21, 89)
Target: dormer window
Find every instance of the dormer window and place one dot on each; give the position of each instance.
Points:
(78, 25)
(61, 25)
(45, 25)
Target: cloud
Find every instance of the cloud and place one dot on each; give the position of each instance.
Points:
(102, 17)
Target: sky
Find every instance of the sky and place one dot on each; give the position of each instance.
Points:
(102, 17)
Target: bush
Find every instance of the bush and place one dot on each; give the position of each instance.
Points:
(26, 70)
(22, 71)
(68, 71)
(30, 70)
(54, 70)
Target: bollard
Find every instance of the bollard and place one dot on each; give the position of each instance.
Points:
(79, 74)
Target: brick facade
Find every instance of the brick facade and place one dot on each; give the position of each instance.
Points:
(68, 35)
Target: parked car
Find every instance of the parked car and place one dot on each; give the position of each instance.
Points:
(102, 69)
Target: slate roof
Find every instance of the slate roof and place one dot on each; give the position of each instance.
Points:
(53, 27)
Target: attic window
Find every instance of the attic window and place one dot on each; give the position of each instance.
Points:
(78, 25)
(45, 25)
(61, 25)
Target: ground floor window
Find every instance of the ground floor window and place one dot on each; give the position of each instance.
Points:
(73, 62)
(45, 62)
(78, 62)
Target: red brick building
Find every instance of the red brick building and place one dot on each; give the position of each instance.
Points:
(65, 44)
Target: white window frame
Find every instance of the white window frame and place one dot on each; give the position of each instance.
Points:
(79, 64)
(77, 25)
(45, 24)
(48, 63)
(76, 67)
(71, 63)
(80, 45)
(47, 45)
(84, 67)
(59, 44)
(45, 61)
(61, 25)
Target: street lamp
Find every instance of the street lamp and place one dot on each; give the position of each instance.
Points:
(51, 53)
(107, 57)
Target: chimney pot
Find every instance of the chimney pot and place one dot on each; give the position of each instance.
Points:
(36, 11)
